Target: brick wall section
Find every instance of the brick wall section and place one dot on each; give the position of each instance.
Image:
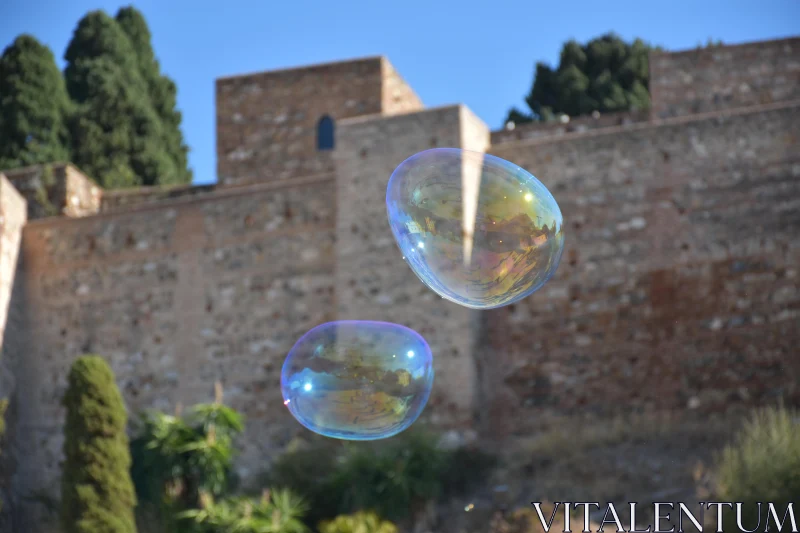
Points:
(538, 130)
(120, 200)
(59, 189)
(373, 282)
(398, 96)
(678, 285)
(177, 297)
(267, 122)
(724, 77)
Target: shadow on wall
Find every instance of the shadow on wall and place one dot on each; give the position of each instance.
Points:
(12, 516)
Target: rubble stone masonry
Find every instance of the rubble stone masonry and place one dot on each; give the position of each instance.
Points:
(724, 77)
(678, 288)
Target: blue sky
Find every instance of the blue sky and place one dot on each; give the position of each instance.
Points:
(477, 53)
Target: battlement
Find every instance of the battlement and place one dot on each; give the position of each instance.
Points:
(58, 189)
(540, 130)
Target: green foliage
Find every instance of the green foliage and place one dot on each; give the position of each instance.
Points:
(34, 106)
(279, 511)
(162, 94)
(178, 459)
(308, 471)
(391, 478)
(361, 522)
(465, 468)
(606, 74)
(124, 127)
(763, 465)
(115, 126)
(96, 491)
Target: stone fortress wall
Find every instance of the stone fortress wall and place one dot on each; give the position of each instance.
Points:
(677, 290)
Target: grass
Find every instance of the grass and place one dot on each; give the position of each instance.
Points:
(762, 465)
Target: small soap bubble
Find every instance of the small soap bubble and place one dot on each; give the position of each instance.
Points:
(476, 229)
(358, 380)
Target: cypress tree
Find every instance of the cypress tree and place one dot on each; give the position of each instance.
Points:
(118, 135)
(162, 92)
(96, 493)
(33, 106)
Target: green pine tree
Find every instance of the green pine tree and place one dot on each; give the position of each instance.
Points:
(606, 74)
(33, 106)
(119, 135)
(97, 493)
(162, 92)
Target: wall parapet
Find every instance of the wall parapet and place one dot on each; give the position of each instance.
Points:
(156, 198)
(57, 189)
(536, 130)
(655, 123)
(724, 77)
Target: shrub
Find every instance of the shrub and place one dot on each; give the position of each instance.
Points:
(762, 465)
(392, 477)
(465, 468)
(96, 493)
(279, 511)
(177, 459)
(307, 471)
(361, 522)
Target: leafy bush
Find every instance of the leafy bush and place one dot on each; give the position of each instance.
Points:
(465, 468)
(279, 511)
(177, 459)
(361, 522)
(763, 464)
(96, 492)
(391, 478)
(307, 471)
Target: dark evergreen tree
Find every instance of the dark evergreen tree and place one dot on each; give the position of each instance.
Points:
(33, 106)
(606, 75)
(118, 135)
(162, 92)
(97, 493)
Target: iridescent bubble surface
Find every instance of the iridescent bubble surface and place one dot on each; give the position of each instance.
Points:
(478, 230)
(358, 380)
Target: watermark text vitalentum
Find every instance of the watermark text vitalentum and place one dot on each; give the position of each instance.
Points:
(769, 517)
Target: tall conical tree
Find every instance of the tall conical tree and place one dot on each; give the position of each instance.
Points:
(118, 135)
(97, 493)
(33, 106)
(162, 91)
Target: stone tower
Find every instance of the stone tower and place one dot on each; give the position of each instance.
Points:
(282, 124)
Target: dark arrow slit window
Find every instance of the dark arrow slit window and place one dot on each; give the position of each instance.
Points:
(325, 130)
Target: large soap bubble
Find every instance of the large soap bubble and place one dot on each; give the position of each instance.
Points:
(478, 230)
(358, 380)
